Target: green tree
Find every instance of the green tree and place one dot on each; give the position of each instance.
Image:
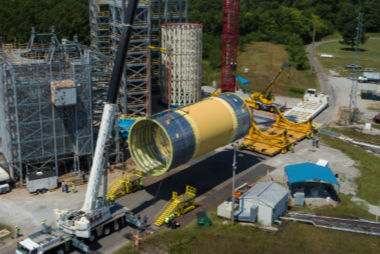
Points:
(347, 23)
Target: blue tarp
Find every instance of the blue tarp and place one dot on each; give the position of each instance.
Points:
(124, 126)
(242, 80)
(309, 172)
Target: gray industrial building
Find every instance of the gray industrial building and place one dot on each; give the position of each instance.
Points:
(264, 203)
(45, 106)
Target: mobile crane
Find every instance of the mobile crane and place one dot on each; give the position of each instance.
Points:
(265, 99)
(96, 217)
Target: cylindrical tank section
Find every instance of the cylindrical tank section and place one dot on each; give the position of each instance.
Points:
(157, 145)
(183, 42)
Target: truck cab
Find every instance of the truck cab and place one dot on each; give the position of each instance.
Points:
(4, 181)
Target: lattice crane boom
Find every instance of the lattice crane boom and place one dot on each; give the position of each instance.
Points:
(230, 36)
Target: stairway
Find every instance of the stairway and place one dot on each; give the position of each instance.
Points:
(166, 211)
(115, 189)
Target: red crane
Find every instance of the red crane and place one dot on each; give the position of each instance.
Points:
(230, 35)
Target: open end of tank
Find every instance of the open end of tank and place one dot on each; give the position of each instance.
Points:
(150, 146)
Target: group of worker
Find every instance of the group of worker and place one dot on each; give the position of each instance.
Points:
(65, 187)
(170, 222)
(314, 136)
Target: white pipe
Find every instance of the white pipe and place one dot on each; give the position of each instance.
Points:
(97, 168)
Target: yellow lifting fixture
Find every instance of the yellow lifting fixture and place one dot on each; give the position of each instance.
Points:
(278, 138)
(177, 205)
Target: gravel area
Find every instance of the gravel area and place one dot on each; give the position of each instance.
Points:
(338, 162)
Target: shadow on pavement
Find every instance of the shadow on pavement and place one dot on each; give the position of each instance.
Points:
(204, 176)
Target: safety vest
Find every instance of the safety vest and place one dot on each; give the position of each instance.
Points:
(17, 230)
(112, 198)
(140, 183)
(73, 186)
(167, 220)
(171, 216)
(43, 222)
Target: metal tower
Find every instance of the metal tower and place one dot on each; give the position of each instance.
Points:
(142, 69)
(42, 128)
(353, 94)
(230, 37)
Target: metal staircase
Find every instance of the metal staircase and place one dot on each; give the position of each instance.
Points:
(177, 205)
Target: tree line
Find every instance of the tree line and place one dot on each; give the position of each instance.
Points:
(288, 22)
(69, 17)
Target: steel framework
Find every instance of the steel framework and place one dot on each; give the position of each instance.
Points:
(230, 37)
(143, 65)
(35, 133)
(183, 42)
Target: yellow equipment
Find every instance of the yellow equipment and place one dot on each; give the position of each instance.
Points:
(127, 184)
(177, 205)
(265, 99)
(266, 142)
(278, 138)
(295, 131)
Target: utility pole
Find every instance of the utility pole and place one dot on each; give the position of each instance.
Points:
(353, 94)
(233, 184)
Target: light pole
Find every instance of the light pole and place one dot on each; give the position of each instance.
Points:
(233, 184)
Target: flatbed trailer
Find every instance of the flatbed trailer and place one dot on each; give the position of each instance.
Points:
(311, 105)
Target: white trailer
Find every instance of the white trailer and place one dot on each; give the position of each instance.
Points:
(311, 105)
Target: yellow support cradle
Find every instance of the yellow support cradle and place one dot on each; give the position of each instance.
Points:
(177, 205)
(127, 184)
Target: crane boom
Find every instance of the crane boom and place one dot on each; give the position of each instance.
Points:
(274, 81)
(109, 111)
(230, 36)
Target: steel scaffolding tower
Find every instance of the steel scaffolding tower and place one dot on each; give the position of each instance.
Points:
(100, 26)
(36, 130)
(143, 66)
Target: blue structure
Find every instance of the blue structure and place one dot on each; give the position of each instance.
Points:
(124, 126)
(242, 80)
(309, 172)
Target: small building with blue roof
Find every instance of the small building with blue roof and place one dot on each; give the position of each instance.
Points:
(313, 180)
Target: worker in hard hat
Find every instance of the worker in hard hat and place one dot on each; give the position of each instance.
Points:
(292, 148)
(141, 184)
(17, 230)
(312, 138)
(167, 220)
(73, 187)
(112, 198)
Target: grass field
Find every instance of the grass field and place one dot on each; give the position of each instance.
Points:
(2, 226)
(264, 60)
(369, 56)
(367, 163)
(336, 35)
(357, 135)
(292, 238)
